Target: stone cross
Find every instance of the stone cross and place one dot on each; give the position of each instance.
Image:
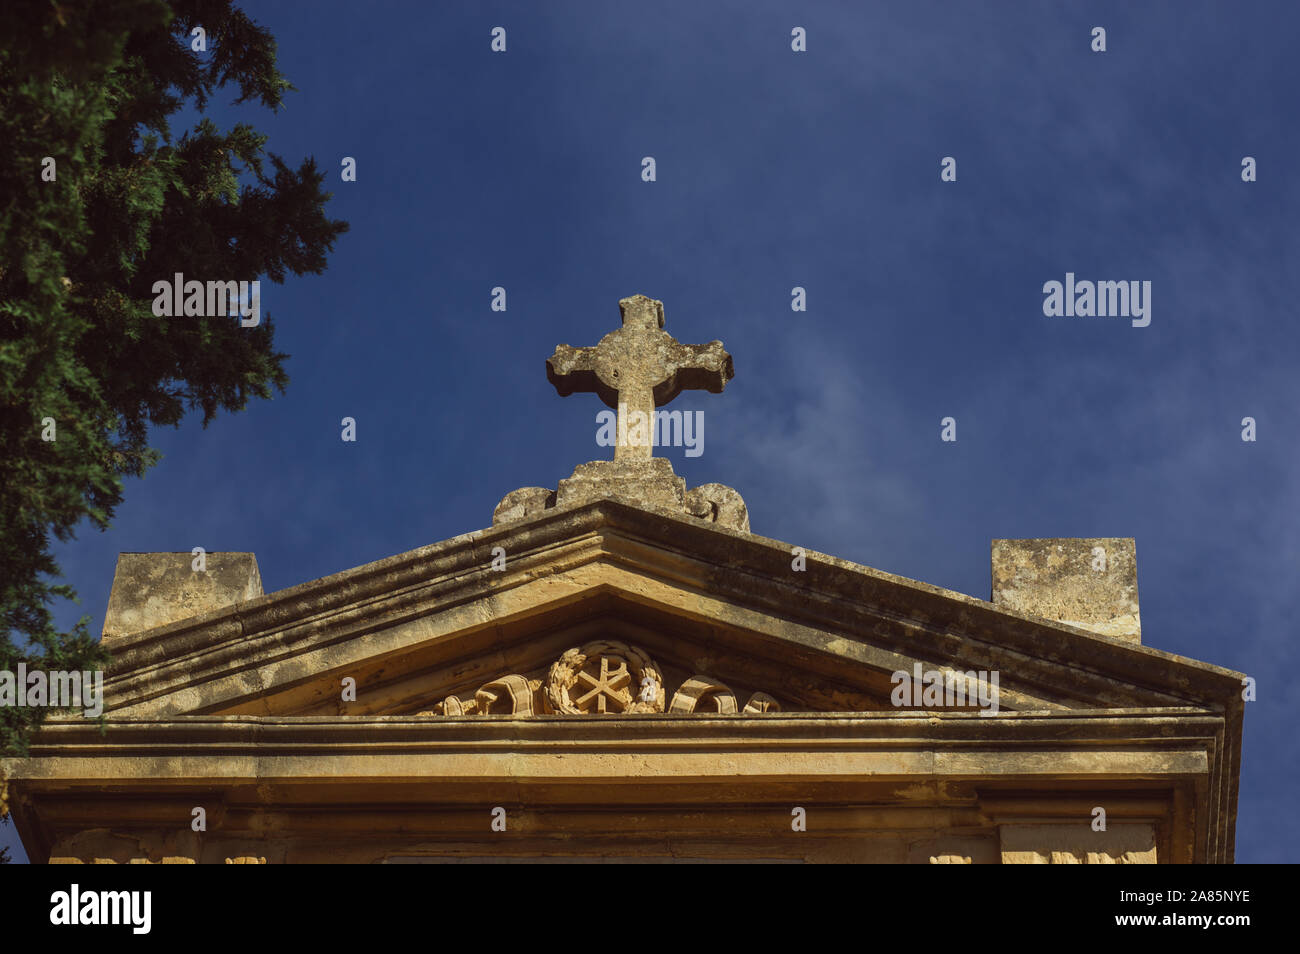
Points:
(637, 368)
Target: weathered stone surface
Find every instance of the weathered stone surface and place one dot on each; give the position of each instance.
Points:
(837, 629)
(100, 846)
(539, 687)
(1078, 844)
(521, 503)
(896, 787)
(152, 589)
(639, 483)
(1090, 583)
(638, 368)
(633, 370)
(645, 483)
(720, 504)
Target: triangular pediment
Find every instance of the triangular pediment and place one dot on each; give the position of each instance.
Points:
(684, 616)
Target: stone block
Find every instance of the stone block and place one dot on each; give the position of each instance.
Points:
(641, 483)
(1090, 583)
(153, 589)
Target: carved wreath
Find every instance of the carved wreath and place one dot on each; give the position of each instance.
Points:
(644, 691)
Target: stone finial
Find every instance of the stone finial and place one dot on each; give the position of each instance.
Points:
(523, 502)
(1090, 583)
(153, 589)
(718, 503)
(635, 369)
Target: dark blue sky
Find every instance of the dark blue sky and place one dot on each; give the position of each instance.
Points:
(777, 169)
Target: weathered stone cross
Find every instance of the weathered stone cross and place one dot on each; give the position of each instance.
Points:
(637, 368)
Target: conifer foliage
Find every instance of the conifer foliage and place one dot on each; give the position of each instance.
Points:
(100, 198)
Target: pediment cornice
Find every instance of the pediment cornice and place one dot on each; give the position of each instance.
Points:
(445, 605)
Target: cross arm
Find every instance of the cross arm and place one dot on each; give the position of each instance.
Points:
(706, 367)
(573, 370)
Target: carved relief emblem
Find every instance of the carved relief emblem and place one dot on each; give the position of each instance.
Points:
(605, 676)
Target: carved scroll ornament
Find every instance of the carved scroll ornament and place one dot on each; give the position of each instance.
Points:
(604, 677)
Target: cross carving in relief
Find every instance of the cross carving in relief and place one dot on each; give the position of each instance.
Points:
(604, 687)
(637, 368)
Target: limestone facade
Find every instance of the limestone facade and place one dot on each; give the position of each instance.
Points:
(620, 670)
